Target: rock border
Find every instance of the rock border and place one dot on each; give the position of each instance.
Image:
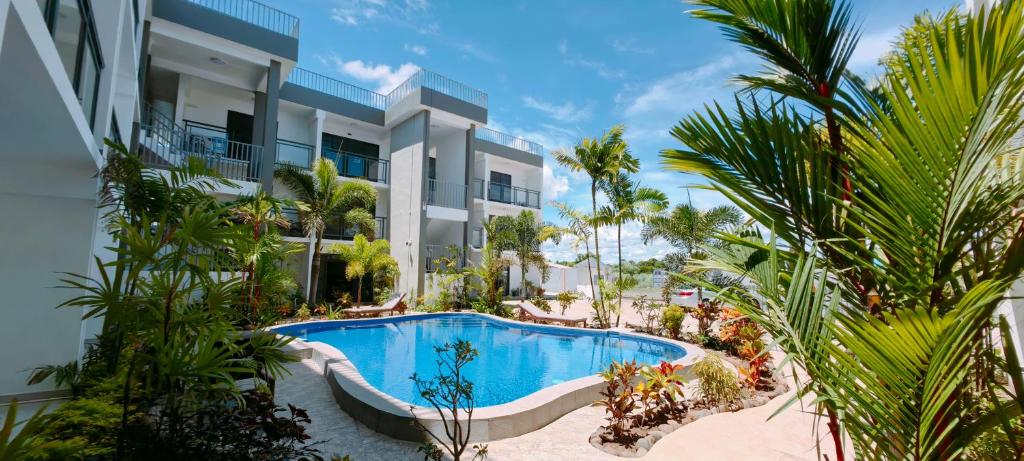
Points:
(651, 436)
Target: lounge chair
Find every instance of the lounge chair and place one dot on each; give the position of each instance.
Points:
(393, 306)
(528, 312)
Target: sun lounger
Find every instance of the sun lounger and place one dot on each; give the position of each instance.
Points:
(528, 312)
(393, 306)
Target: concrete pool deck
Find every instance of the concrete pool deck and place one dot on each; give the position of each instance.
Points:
(393, 417)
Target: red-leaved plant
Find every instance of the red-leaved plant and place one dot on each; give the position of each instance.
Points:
(619, 401)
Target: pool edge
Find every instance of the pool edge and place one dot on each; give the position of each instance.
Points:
(395, 418)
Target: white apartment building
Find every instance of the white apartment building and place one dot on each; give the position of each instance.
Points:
(219, 80)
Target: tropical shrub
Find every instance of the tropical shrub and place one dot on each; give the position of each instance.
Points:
(302, 313)
(649, 312)
(84, 428)
(542, 303)
(706, 312)
(344, 300)
(321, 309)
(672, 320)
(18, 443)
(451, 394)
(363, 258)
(618, 401)
(745, 339)
(661, 394)
(716, 384)
(565, 299)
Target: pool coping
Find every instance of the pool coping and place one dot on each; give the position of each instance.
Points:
(393, 417)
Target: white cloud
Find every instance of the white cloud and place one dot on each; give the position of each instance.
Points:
(871, 47)
(565, 113)
(416, 49)
(630, 46)
(413, 14)
(600, 68)
(686, 88)
(554, 185)
(383, 76)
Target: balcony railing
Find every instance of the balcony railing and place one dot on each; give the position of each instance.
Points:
(441, 257)
(446, 194)
(508, 140)
(163, 143)
(358, 166)
(294, 153)
(504, 193)
(255, 13)
(336, 231)
(439, 83)
(333, 87)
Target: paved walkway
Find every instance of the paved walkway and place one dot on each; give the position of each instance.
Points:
(743, 435)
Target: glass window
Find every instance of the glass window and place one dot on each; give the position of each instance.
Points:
(88, 86)
(68, 36)
(294, 153)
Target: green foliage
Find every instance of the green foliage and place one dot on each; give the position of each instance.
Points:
(716, 384)
(661, 394)
(542, 303)
(302, 313)
(619, 401)
(28, 441)
(649, 312)
(523, 235)
(672, 320)
(363, 258)
(451, 394)
(84, 428)
(565, 299)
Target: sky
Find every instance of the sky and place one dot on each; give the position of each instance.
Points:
(559, 70)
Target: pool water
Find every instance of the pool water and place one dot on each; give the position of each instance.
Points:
(515, 359)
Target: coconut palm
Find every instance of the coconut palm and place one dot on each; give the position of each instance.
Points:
(628, 202)
(601, 159)
(322, 196)
(524, 235)
(690, 229)
(364, 257)
(931, 229)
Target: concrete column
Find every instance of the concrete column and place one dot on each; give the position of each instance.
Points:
(318, 131)
(421, 239)
(179, 104)
(264, 129)
(470, 186)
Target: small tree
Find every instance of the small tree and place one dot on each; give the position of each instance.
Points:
(365, 257)
(565, 299)
(450, 393)
(524, 236)
(648, 310)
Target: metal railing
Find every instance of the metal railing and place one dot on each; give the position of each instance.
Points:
(504, 193)
(358, 166)
(334, 87)
(254, 13)
(163, 143)
(428, 79)
(335, 230)
(439, 256)
(446, 194)
(477, 238)
(294, 153)
(507, 140)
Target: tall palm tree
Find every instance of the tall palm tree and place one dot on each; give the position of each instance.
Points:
(628, 202)
(524, 237)
(932, 224)
(578, 226)
(365, 257)
(260, 213)
(601, 159)
(321, 196)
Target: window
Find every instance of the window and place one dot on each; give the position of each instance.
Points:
(354, 158)
(500, 188)
(74, 35)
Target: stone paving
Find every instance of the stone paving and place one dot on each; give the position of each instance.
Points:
(744, 435)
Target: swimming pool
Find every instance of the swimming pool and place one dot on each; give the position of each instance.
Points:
(515, 359)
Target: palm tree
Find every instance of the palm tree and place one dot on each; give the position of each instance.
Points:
(524, 236)
(365, 257)
(262, 213)
(628, 202)
(931, 230)
(488, 272)
(322, 196)
(601, 159)
(690, 229)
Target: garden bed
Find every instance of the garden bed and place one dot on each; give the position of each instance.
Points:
(646, 437)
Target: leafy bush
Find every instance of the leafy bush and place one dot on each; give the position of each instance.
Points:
(706, 312)
(383, 294)
(648, 310)
(672, 320)
(303, 313)
(19, 443)
(449, 392)
(716, 384)
(85, 428)
(542, 303)
(744, 338)
(321, 309)
(619, 401)
(345, 300)
(565, 299)
(661, 394)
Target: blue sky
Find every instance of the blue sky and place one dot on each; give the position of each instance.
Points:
(558, 70)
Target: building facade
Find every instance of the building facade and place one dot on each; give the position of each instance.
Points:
(219, 80)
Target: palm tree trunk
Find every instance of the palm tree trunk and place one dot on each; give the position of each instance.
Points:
(590, 272)
(359, 292)
(314, 270)
(618, 314)
(597, 252)
(522, 280)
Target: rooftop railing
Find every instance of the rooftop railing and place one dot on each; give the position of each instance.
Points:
(504, 193)
(255, 13)
(437, 82)
(508, 140)
(334, 87)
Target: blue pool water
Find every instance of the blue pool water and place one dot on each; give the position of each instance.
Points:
(515, 359)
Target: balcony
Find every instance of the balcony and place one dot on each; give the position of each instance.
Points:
(246, 22)
(358, 166)
(163, 144)
(440, 257)
(504, 193)
(294, 153)
(507, 140)
(327, 85)
(337, 231)
(439, 83)
(446, 194)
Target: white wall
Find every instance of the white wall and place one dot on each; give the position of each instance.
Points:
(209, 102)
